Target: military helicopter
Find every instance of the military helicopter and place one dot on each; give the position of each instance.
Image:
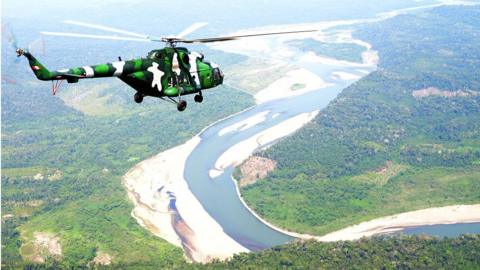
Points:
(167, 73)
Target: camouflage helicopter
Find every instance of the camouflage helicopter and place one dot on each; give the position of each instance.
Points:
(167, 73)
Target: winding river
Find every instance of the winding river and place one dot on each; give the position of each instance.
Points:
(218, 194)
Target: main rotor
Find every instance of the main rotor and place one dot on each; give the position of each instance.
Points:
(170, 41)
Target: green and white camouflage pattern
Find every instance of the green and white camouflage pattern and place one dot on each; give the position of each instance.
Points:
(167, 72)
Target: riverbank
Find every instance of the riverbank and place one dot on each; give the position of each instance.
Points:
(152, 183)
(295, 82)
(150, 186)
(394, 223)
(454, 214)
(241, 151)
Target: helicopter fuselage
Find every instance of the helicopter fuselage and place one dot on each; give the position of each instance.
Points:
(168, 72)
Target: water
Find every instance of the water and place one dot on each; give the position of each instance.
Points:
(447, 230)
(218, 195)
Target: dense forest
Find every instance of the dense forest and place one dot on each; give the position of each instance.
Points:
(377, 253)
(401, 252)
(381, 147)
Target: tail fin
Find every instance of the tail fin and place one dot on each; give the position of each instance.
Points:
(38, 69)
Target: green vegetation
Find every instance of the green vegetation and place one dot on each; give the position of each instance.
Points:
(324, 205)
(94, 99)
(376, 150)
(375, 253)
(297, 86)
(341, 51)
(401, 252)
(62, 169)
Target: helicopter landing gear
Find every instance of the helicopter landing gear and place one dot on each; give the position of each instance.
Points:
(138, 97)
(198, 98)
(181, 105)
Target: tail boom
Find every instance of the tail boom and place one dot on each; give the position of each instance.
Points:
(115, 69)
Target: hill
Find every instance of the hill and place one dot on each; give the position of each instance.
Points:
(405, 137)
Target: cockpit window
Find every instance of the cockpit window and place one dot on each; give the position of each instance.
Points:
(216, 74)
(154, 55)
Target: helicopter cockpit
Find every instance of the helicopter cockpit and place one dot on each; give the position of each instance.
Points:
(155, 54)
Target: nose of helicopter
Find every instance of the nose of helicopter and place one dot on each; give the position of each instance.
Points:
(217, 75)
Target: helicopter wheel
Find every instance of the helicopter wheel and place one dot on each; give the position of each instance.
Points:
(138, 97)
(198, 98)
(181, 105)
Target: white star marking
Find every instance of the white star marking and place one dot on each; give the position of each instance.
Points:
(157, 76)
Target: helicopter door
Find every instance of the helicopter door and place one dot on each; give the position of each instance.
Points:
(194, 69)
(175, 64)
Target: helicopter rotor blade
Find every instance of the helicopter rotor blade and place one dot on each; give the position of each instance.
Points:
(37, 46)
(66, 34)
(228, 38)
(12, 40)
(106, 28)
(32, 44)
(190, 29)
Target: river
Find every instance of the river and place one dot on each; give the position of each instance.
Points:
(447, 230)
(218, 194)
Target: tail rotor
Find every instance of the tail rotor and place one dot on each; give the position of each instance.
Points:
(36, 46)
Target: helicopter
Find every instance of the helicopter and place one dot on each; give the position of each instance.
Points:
(168, 73)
